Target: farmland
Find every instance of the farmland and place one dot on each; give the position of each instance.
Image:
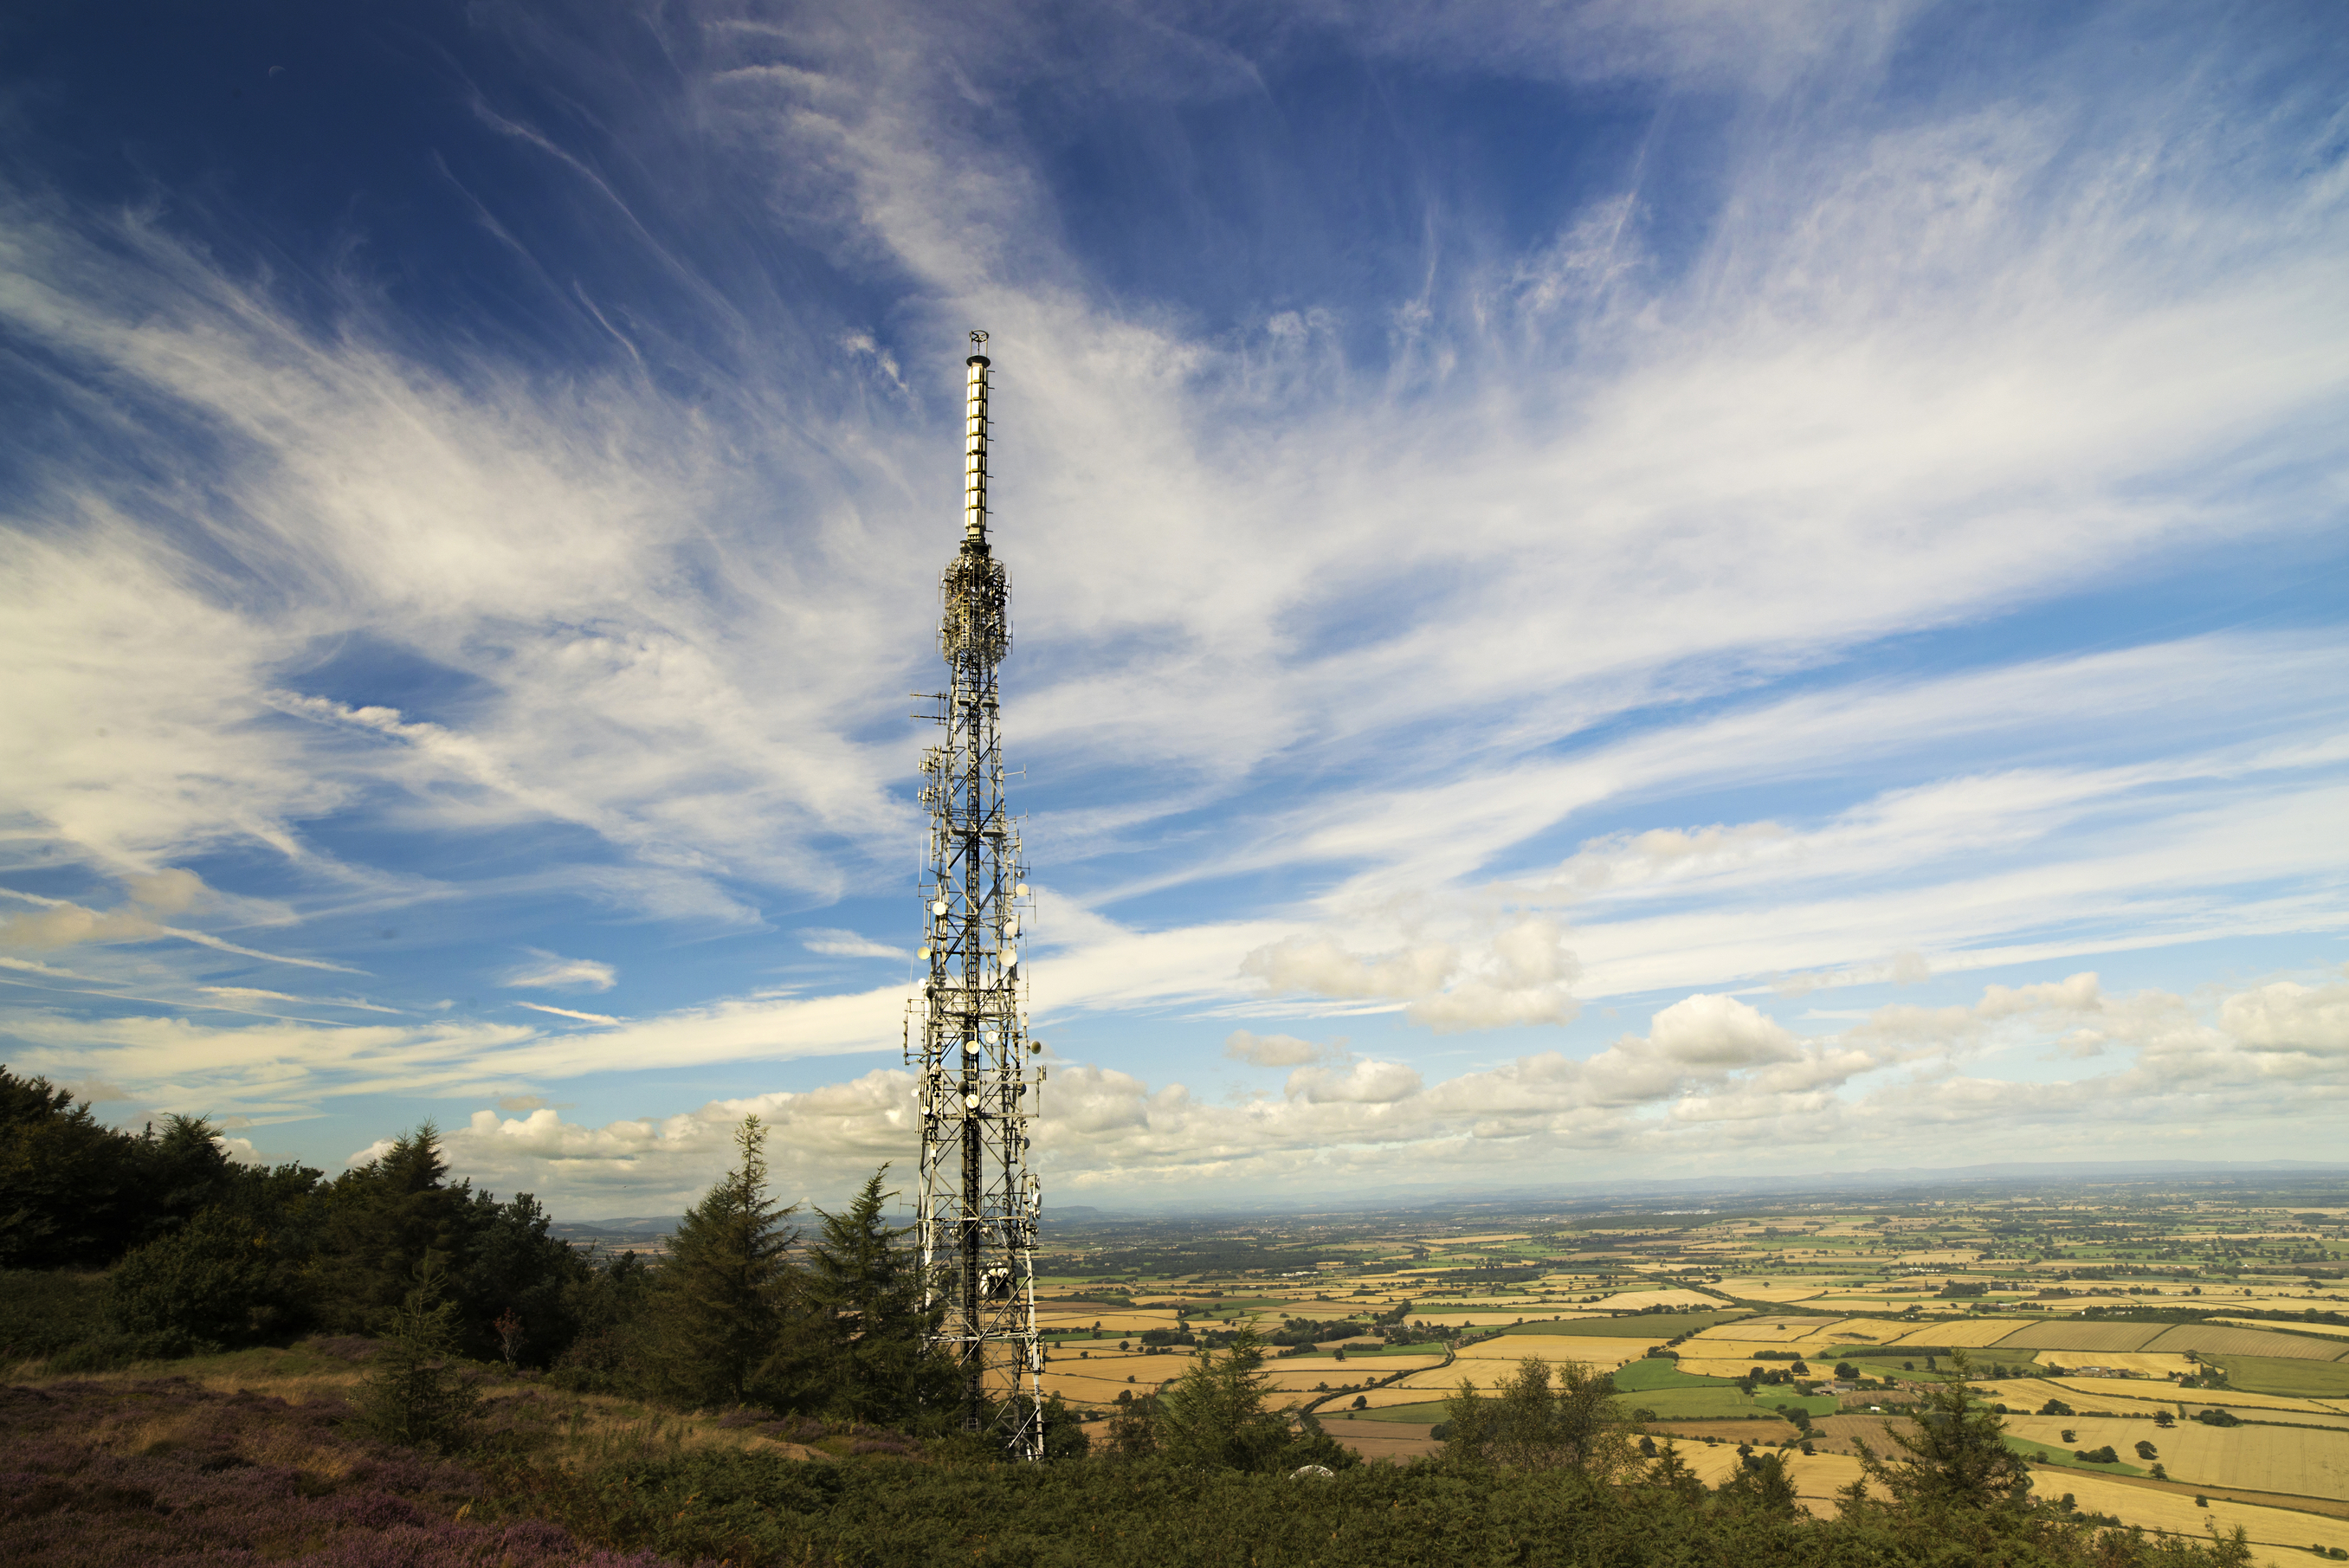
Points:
(2226, 1316)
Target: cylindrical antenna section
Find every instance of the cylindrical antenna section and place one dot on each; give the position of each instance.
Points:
(974, 459)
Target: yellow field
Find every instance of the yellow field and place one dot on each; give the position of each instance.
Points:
(1304, 1371)
(1633, 1300)
(2100, 1336)
(2167, 1392)
(2335, 1330)
(2212, 1341)
(1972, 1333)
(2152, 1363)
(2294, 1459)
(1756, 1290)
(2283, 1535)
(1594, 1349)
(1052, 1315)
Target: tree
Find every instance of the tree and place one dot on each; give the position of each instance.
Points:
(381, 1220)
(1542, 1418)
(864, 1292)
(724, 1298)
(414, 1394)
(77, 1193)
(1762, 1485)
(212, 1283)
(1958, 1456)
(1213, 1416)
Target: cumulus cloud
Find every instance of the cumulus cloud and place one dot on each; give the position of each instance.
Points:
(1711, 1079)
(551, 971)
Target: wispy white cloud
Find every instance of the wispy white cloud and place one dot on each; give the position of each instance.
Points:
(834, 942)
(551, 971)
(570, 1013)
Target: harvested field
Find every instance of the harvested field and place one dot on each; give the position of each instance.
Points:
(2168, 1394)
(2293, 1460)
(1606, 1354)
(1840, 1433)
(2281, 1537)
(2331, 1330)
(2073, 1335)
(1965, 1334)
(1396, 1440)
(1633, 1300)
(1759, 1430)
(2210, 1339)
(2152, 1364)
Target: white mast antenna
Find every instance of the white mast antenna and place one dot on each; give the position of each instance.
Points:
(980, 1203)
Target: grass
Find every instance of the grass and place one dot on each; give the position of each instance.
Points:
(1432, 1411)
(2282, 1375)
(1725, 1402)
(1655, 1372)
(2055, 1456)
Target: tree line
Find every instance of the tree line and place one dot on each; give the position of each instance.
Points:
(201, 1253)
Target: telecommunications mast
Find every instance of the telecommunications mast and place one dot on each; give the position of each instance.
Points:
(979, 1204)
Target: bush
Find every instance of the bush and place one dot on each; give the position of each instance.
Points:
(212, 1283)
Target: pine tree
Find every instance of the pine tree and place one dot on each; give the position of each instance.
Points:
(414, 1393)
(728, 1291)
(1957, 1455)
(864, 1294)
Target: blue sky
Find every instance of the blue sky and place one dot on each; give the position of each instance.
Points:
(1601, 590)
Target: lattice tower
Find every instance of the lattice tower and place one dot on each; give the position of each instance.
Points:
(979, 1203)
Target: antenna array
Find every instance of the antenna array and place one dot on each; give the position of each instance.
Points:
(979, 1203)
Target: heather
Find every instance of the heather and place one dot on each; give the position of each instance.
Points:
(161, 1470)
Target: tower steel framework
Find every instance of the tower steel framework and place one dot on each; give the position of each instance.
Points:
(979, 1201)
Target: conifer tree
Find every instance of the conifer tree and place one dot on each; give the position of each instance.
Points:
(414, 1393)
(727, 1293)
(1957, 1456)
(865, 1297)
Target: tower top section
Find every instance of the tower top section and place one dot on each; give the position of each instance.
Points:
(973, 454)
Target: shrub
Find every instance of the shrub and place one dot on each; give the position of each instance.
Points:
(213, 1281)
(414, 1394)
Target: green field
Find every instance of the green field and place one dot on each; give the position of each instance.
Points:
(2056, 1456)
(2279, 1375)
(1655, 1372)
(1431, 1413)
(1725, 1402)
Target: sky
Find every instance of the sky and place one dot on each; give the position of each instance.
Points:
(1601, 591)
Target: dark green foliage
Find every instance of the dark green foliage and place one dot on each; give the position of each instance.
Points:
(1761, 1485)
(415, 1393)
(726, 1300)
(1541, 1418)
(715, 1506)
(1214, 1417)
(864, 1294)
(214, 1282)
(1957, 1457)
(44, 1311)
(77, 1193)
